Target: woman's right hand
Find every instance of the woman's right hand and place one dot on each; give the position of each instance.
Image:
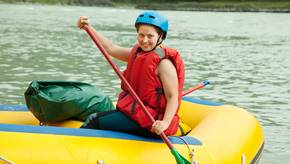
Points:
(82, 21)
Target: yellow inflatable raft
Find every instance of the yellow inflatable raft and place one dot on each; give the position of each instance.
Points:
(221, 134)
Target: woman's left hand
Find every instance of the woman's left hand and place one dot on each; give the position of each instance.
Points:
(159, 126)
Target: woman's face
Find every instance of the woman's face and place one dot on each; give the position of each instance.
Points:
(147, 37)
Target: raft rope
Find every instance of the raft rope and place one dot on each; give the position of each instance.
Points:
(191, 151)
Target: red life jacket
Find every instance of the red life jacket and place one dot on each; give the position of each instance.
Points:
(141, 74)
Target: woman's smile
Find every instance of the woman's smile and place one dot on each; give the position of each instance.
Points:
(147, 37)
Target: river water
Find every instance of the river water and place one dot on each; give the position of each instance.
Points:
(244, 55)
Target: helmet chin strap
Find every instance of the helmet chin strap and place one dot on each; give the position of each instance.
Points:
(159, 41)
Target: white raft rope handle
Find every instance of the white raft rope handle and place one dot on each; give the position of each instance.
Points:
(42, 123)
(190, 151)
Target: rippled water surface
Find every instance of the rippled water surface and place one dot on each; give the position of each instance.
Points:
(244, 55)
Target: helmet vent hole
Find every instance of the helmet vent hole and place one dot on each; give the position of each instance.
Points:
(141, 15)
(151, 16)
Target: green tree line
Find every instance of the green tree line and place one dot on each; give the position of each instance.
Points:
(97, 2)
(193, 5)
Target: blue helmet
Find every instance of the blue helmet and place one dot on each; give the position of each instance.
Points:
(155, 19)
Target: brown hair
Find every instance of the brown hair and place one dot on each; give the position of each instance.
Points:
(158, 30)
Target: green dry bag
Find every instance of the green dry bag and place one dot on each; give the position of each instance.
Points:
(53, 101)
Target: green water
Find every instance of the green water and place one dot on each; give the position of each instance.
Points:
(244, 55)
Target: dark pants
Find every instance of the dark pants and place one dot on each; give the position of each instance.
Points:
(116, 121)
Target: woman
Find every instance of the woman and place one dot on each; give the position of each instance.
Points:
(155, 72)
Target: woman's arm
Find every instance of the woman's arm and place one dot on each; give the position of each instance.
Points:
(113, 50)
(168, 76)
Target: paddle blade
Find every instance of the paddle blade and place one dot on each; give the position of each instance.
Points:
(179, 158)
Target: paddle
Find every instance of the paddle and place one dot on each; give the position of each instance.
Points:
(199, 86)
(179, 158)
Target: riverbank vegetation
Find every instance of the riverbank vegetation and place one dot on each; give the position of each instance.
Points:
(187, 5)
